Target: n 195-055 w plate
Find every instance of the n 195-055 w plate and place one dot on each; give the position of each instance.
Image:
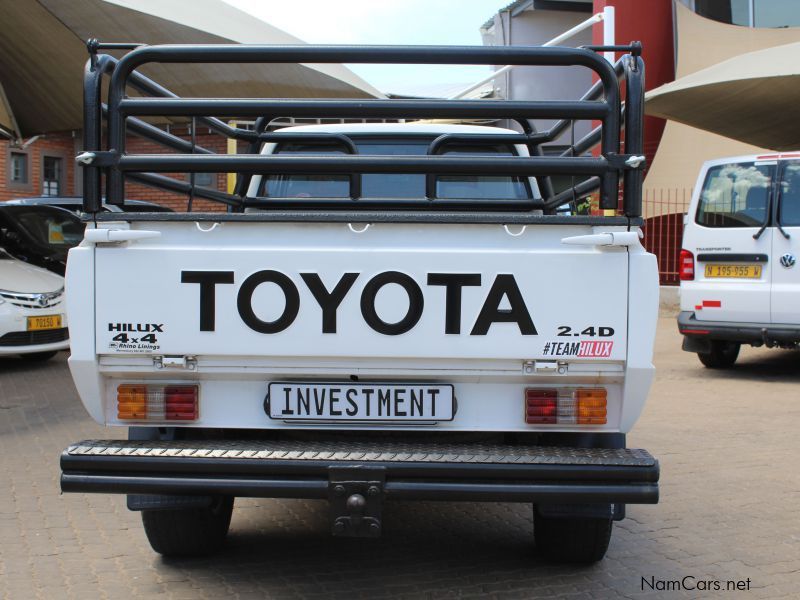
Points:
(360, 402)
(733, 271)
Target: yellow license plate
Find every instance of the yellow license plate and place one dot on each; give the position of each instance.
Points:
(44, 322)
(734, 271)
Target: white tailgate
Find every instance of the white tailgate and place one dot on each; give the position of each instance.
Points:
(575, 296)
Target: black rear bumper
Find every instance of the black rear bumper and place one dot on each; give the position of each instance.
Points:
(515, 473)
(743, 333)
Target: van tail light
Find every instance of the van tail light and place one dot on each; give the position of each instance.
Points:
(581, 406)
(686, 266)
(137, 402)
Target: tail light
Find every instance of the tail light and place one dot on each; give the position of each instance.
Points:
(581, 406)
(137, 402)
(686, 266)
(541, 406)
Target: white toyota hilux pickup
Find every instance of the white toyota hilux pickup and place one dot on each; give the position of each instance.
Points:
(387, 311)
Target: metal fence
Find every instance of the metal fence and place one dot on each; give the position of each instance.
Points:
(663, 229)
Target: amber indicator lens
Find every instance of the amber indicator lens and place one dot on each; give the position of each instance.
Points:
(591, 406)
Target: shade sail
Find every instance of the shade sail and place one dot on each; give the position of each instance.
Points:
(42, 54)
(753, 98)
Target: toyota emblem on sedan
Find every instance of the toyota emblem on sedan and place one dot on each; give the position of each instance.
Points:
(788, 260)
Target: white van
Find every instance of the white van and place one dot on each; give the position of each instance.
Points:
(740, 283)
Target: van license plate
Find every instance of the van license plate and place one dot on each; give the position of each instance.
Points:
(363, 402)
(44, 322)
(734, 271)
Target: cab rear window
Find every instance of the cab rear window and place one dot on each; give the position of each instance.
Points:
(396, 185)
(735, 195)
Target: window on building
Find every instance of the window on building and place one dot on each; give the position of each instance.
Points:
(205, 179)
(52, 170)
(18, 167)
(776, 13)
(735, 12)
(749, 13)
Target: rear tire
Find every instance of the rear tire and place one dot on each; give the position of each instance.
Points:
(189, 531)
(39, 356)
(722, 356)
(572, 539)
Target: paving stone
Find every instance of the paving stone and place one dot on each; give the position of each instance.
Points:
(726, 441)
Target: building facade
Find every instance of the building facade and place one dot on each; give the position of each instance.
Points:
(679, 37)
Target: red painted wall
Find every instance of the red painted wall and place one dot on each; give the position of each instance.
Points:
(649, 22)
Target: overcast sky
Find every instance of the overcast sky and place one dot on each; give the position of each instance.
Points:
(413, 22)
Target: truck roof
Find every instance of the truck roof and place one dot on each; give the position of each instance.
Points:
(391, 128)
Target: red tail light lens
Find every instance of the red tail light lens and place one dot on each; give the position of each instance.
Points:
(541, 406)
(180, 402)
(686, 266)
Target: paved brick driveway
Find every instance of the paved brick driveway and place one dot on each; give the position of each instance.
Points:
(730, 510)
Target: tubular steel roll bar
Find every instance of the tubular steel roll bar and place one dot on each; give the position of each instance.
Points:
(600, 103)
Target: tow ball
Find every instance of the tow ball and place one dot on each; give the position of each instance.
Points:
(356, 500)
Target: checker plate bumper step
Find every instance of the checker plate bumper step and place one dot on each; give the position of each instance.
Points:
(301, 469)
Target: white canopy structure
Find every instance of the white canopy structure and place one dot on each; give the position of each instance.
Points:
(43, 53)
(753, 98)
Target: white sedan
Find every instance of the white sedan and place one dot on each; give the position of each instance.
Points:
(33, 322)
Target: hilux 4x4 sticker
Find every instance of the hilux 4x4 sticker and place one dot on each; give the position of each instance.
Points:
(134, 337)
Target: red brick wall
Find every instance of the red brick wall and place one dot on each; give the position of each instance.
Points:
(65, 146)
(204, 138)
(55, 144)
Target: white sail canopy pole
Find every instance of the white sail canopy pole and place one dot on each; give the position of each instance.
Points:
(608, 32)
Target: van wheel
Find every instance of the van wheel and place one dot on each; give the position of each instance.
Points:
(39, 356)
(722, 355)
(571, 539)
(189, 531)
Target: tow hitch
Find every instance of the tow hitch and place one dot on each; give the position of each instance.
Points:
(356, 499)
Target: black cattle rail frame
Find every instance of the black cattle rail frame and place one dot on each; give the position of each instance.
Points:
(601, 103)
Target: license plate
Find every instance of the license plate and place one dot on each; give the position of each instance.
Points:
(362, 402)
(44, 322)
(734, 271)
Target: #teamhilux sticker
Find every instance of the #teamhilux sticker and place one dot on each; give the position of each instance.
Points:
(586, 349)
(134, 337)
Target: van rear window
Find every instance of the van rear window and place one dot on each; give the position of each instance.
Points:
(735, 195)
(790, 195)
